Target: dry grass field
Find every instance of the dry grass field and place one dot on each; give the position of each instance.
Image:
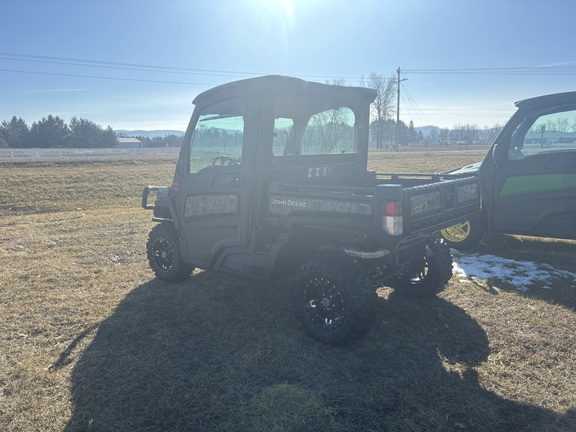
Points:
(90, 341)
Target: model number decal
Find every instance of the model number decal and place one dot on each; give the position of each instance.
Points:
(211, 205)
(425, 203)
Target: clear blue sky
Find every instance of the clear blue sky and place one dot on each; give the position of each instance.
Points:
(139, 64)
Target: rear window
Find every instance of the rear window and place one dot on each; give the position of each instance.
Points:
(331, 131)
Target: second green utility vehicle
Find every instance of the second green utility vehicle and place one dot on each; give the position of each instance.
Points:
(528, 177)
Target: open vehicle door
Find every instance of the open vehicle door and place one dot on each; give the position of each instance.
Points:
(534, 171)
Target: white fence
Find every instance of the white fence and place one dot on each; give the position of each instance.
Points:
(105, 153)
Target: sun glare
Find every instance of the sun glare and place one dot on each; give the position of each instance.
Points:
(278, 10)
(283, 6)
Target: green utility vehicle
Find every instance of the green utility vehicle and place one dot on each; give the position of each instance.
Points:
(528, 177)
(272, 181)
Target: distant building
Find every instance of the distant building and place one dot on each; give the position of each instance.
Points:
(129, 143)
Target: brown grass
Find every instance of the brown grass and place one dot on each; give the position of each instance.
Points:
(426, 161)
(89, 340)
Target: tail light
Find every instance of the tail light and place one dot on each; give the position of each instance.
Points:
(175, 187)
(392, 221)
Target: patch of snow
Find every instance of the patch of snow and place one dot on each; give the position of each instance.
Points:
(521, 274)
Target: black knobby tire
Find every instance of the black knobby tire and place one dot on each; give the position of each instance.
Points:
(332, 302)
(164, 255)
(430, 274)
(465, 235)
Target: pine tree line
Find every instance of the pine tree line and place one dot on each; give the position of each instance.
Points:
(54, 132)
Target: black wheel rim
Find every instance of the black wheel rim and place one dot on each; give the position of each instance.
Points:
(421, 272)
(324, 304)
(163, 255)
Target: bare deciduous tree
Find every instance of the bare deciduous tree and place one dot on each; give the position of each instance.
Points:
(383, 104)
(562, 125)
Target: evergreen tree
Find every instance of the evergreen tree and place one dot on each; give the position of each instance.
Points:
(3, 142)
(402, 133)
(109, 138)
(412, 134)
(16, 133)
(87, 134)
(173, 140)
(50, 132)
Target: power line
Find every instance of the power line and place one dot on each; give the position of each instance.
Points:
(115, 65)
(135, 79)
(68, 61)
(71, 61)
(532, 70)
(103, 77)
(419, 113)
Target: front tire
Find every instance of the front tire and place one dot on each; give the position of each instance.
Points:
(465, 235)
(430, 274)
(332, 302)
(164, 255)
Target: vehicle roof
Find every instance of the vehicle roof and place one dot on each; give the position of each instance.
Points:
(549, 99)
(289, 85)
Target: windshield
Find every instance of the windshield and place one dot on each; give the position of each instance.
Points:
(218, 137)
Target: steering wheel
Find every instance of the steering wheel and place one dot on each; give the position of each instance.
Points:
(224, 160)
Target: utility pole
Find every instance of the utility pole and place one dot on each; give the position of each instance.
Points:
(398, 81)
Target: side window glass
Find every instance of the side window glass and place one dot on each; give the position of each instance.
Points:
(327, 132)
(553, 132)
(218, 137)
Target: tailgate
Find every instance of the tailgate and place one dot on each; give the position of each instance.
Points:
(435, 206)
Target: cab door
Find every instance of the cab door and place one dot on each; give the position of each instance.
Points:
(215, 205)
(535, 176)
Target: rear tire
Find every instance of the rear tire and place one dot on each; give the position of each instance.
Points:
(332, 301)
(164, 254)
(430, 274)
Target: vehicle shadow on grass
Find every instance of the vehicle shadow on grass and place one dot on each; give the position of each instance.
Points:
(217, 354)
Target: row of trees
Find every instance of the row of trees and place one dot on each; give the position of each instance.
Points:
(464, 134)
(157, 141)
(561, 125)
(386, 132)
(52, 131)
